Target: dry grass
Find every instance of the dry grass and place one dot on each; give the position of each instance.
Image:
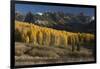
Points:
(26, 54)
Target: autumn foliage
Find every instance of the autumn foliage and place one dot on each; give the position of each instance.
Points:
(30, 33)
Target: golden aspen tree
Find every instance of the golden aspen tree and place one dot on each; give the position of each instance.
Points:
(57, 41)
(52, 42)
(39, 37)
(27, 39)
(48, 37)
(73, 42)
(24, 33)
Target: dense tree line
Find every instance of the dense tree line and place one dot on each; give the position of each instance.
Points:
(30, 33)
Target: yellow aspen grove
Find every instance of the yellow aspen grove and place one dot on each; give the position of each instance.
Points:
(31, 33)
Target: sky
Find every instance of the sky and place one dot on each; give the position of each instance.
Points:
(24, 8)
